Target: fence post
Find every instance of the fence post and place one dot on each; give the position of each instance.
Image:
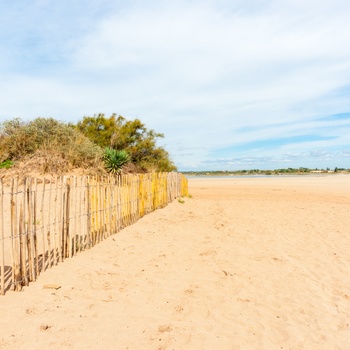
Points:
(2, 272)
(35, 232)
(30, 240)
(43, 267)
(67, 231)
(109, 205)
(48, 231)
(53, 225)
(88, 214)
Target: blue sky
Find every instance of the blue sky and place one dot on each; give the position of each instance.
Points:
(232, 84)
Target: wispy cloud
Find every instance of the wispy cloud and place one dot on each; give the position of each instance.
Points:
(222, 79)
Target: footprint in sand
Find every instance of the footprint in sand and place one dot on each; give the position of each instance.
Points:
(31, 311)
(243, 300)
(189, 291)
(107, 286)
(343, 326)
(165, 328)
(208, 252)
(178, 308)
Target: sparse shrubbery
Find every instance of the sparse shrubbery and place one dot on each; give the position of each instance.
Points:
(97, 142)
(58, 143)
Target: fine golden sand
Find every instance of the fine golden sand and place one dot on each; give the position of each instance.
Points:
(243, 264)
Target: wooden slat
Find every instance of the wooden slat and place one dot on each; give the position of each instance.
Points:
(105, 205)
(43, 240)
(67, 232)
(29, 232)
(53, 205)
(24, 234)
(60, 205)
(2, 239)
(88, 210)
(35, 218)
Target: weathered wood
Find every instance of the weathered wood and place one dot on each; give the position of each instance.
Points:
(64, 218)
(86, 211)
(48, 227)
(51, 286)
(70, 226)
(43, 241)
(81, 222)
(22, 255)
(2, 239)
(60, 219)
(17, 266)
(35, 238)
(29, 232)
(54, 223)
(14, 249)
(75, 217)
(67, 231)
(88, 216)
(24, 235)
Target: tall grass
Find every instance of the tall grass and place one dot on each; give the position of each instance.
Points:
(57, 144)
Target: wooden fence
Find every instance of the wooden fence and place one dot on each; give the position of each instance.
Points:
(44, 221)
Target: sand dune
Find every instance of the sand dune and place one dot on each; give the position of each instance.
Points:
(243, 264)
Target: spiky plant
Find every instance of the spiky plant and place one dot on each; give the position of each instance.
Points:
(115, 159)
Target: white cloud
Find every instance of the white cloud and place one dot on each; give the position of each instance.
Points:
(197, 71)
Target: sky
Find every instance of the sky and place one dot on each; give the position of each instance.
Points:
(233, 84)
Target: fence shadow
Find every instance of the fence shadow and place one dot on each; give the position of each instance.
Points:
(43, 222)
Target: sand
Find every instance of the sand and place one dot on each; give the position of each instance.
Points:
(243, 264)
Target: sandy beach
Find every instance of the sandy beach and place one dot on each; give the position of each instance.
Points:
(243, 264)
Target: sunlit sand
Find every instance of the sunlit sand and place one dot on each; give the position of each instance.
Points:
(243, 264)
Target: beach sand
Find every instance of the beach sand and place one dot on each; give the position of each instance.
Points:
(243, 264)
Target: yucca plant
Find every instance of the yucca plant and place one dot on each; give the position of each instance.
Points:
(115, 159)
(7, 164)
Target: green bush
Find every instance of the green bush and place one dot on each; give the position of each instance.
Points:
(50, 138)
(53, 146)
(6, 164)
(129, 135)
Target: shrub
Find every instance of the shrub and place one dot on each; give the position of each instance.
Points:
(115, 159)
(57, 144)
(6, 164)
(131, 136)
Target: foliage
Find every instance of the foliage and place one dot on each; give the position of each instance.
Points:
(99, 129)
(61, 147)
(130, 135)
(287, 171)
(46, 135)
(7, 164)
(115, 159)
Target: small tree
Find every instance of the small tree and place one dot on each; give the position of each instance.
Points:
(130, 135)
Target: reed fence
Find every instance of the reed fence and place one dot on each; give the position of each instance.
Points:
(44, 221)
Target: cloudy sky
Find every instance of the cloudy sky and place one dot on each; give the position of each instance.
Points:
(233, 84)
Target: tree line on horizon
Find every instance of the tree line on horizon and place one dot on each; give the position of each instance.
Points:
(112, 144)
(301, 170)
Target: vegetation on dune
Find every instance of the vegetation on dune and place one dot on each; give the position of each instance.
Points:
(131, 136)
(115, 160)
(7, 164)
(59, 146)
(97, 142)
